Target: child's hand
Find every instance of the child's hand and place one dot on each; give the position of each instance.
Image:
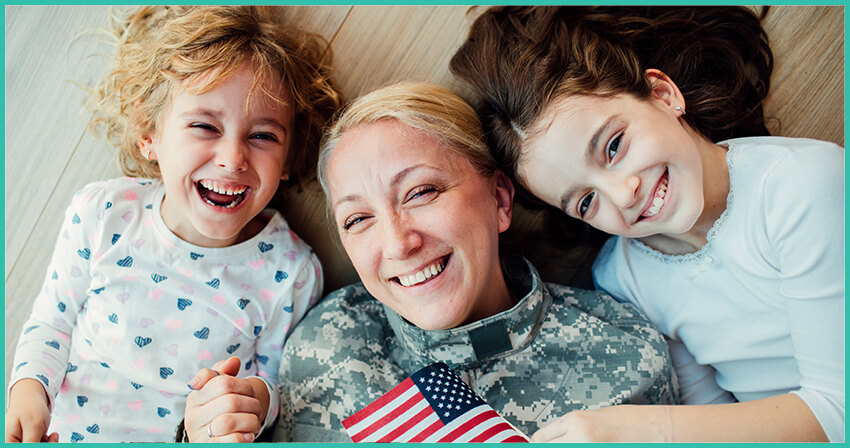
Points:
(28, 415)
(224, 408)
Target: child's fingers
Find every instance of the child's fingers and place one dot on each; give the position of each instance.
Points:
(33, 430)
(219, 386)
(52, 438)
(13, 429)
(237, 437)
(201, 378)
(234, 423)
(228, 366)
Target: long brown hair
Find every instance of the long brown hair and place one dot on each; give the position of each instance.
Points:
(519, 59)
(161, 46)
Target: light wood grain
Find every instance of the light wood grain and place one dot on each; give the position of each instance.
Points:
(49, 156)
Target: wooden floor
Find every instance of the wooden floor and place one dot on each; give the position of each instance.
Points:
(49, 155)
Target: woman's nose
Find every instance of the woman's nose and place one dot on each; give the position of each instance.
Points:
(399, 239)
(625, 191)
(232, 155)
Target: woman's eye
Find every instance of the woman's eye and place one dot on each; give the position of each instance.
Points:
(613, 147)
(352, 221)
(419, 192)
(585, 204)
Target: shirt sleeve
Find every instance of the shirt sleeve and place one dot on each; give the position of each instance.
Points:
(302, 293)
(697, 383)
(804, 214)
(45, 341)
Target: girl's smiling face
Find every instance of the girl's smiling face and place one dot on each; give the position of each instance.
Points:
(221, 157)
(420, 224)
(626, 166)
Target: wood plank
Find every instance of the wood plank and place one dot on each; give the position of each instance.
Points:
(807, 88)
(44, 118)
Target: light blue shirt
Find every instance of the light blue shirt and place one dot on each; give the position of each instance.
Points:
(759, 310)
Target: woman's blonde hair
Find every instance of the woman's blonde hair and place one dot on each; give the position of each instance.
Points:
(426, 107)
(158, 47)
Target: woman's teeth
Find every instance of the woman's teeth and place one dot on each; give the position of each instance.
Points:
(658, 200)
(421, 276)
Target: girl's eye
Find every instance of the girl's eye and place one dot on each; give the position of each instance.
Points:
(353, 220)
(585, 204)
(421, 191)
(265, 136)
(613, 147)
(204, 126)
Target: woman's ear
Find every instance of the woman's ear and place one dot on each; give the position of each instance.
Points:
(504, 199)
(666, 91)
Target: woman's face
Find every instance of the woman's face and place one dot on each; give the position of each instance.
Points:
(420, 224)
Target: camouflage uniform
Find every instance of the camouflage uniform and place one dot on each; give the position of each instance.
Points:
(557, 350)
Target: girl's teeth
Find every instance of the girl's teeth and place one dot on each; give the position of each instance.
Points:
(421, 276)
(658, 200)
(228, 190)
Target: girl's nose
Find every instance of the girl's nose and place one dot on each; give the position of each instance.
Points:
(232, 156)
(625, 191)
(399, 240)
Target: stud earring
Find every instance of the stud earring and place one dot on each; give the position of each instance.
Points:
(679, 109)
(285, 177)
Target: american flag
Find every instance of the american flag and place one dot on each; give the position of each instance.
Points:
(432, 405)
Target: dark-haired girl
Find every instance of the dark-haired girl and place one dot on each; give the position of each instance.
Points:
(647, 123)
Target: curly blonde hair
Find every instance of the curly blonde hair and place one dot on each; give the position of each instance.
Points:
(158, 47)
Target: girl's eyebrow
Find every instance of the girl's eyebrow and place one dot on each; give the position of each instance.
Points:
(567, 197)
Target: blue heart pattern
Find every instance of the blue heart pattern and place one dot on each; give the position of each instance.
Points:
(55, 276)
(71, 368)
(203, 333)
(84, 253)
(43, 379)
(195, 256)
(98, 290)
(53, 344)
(94, 429)
(232, 348)
(165, 371)
(262, 359)
(242, 303)
(81, 400)
(248, 365)
(183, 303)
(257, 330)
(61, 306)
(108, 205)
(162, 412)
(157, 277)
(136, 386)
(141, 341)
(288, 308)
(75, 219)
(113, 318)
(115, 237)
(280, 275)
(30, 329)
(214, 283)
(76, 437)
(265, 247)
(125, 262)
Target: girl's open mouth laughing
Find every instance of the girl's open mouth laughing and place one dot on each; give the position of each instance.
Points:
(220, 194)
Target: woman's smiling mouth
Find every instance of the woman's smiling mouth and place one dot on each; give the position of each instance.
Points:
(426, 274)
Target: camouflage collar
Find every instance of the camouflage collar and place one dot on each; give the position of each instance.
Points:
(479, 342)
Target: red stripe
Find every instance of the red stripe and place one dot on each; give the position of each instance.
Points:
(427, 432)
(378, 404)
(515, 439)
(467, 426)
(407, 425)
(484, 436)
(388, 417)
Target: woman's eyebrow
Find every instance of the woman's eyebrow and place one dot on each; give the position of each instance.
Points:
(394, 181)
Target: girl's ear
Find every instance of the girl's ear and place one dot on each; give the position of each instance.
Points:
(666, 91)
(504, 199)
(146, 146)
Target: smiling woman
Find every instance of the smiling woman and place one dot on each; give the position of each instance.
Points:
(419, 206)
